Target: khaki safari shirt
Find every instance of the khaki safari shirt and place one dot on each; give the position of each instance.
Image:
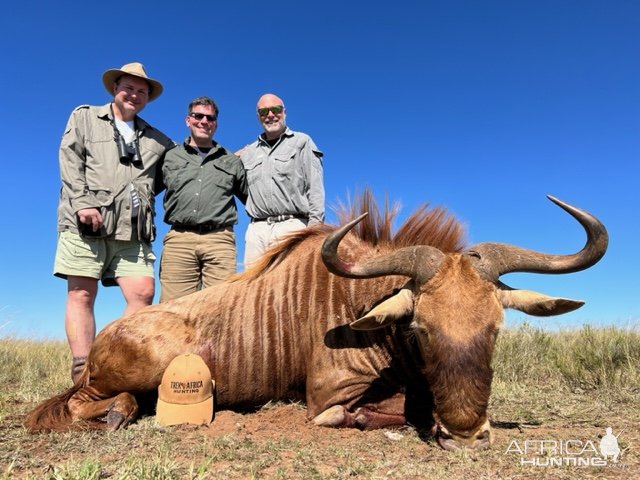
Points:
(285, 179)
(201, 191)
(93, 175)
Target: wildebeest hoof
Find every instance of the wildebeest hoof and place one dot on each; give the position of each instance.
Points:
(116, 420)
(332, 417)
(122, 411)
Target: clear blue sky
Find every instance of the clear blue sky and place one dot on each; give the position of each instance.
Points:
(482, 106)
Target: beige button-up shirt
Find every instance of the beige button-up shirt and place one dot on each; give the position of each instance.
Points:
(93, 175)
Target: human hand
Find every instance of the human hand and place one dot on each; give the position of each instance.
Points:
(91, 216)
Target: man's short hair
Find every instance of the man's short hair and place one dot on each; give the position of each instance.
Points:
(207, 101)
(124, 75)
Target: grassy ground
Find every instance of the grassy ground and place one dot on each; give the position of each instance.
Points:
(548, 387)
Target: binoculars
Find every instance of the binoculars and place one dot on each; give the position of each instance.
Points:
(128, 152)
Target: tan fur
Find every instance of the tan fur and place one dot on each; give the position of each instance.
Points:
(281, 331)
(459, 302)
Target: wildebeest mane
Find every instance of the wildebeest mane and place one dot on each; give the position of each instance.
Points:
(425, 226)
(432, 226)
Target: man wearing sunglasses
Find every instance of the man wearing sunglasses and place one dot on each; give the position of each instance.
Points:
(109, 168)
(284, 173)
(202, 179)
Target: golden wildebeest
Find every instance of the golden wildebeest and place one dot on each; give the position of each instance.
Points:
(370, 329)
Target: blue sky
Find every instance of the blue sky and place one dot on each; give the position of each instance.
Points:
(481, 106)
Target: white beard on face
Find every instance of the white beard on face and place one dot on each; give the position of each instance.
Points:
(276, 127)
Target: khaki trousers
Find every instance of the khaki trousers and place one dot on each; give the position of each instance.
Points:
(261, 235)
(192, 261)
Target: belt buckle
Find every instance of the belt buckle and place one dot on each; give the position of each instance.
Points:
(279, 218)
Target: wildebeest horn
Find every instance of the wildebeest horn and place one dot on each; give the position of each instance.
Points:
(419, 263)
(496, 259)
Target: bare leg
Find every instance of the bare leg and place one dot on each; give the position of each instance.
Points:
(79, 321)
(138, 292)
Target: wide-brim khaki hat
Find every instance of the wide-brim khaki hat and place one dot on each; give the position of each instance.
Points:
(137, 70)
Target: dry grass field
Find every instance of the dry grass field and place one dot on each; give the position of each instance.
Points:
(554, 395)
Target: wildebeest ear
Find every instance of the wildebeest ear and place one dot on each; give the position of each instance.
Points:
(387, 312)
(537, 304)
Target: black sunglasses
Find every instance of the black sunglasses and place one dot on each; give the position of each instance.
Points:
(200, 116)
(276, 109)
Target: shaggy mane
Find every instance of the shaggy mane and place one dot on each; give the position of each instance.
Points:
(426, 226)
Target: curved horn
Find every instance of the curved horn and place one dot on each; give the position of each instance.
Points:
(419, 263)
(497, 258)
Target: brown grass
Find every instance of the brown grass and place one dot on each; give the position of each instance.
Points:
(548, 386)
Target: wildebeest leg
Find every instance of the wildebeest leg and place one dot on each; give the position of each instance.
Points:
(369, 419)
(120, 410)
(336, 416)
(387, 413)
(123, 411)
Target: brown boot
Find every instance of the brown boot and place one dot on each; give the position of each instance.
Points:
(77, 365)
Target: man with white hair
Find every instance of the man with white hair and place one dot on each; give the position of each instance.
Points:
(284, 175)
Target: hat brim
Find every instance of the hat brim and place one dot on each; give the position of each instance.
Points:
(194, 413)
(110, 76)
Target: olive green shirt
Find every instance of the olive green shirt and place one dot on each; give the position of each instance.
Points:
(94, 176)
(201, 191)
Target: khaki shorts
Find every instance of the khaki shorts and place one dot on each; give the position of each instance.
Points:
(102, 258)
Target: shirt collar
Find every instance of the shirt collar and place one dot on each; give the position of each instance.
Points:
(191, 149)
(287, 133)
(104, 113)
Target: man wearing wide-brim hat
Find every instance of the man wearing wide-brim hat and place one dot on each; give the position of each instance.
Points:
(110, 171)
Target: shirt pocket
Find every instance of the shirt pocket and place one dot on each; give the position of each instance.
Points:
(223, 178)
(252, 167)
(150, 150)
(176, 173)
(107, 207)
(100, 154)
(284, 164)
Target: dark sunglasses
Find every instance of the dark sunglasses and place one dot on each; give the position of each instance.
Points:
(200, 116)
(276, 109)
